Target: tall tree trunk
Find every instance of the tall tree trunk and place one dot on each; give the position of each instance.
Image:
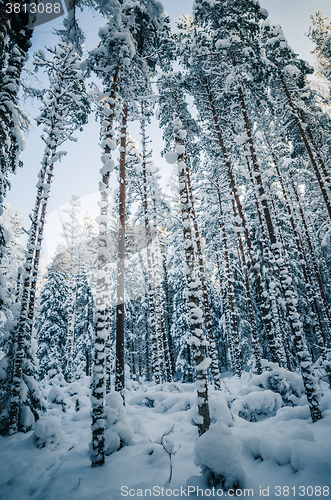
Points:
(251, 315)
(27, 307)
(70, 344)
(274, 331)
(317, 276)
(223, 311)
(157, 359)
(303, 261)
(120, 366)
(102, 291)
(325, 172)
(195, 315)
(234, 335)
(214, 368)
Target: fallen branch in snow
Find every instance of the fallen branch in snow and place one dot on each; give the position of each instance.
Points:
(168, 447)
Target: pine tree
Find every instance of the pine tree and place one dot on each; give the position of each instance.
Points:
(320, 33)
(84, 325)
(51, 325)
(123, 60)
(15, 35)
(65, 108)
(176, 134)
(71, 232)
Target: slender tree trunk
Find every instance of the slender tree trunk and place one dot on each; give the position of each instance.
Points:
(159, 302)
(120, 371)
(235, 342)
(195, 315)
(325, 172)
(273, 330)
(155, 329)
(317, 275)
(214, 368)
(70, 344)
(167, 322)
(18, 286)
(109, 358)
(254, 332)
(26, 320)
(223, 311)
(303, 261)
(102, 294)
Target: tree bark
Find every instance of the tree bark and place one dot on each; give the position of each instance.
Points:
(214, 368)
(266, 316)
(234, 336)
(195, 315)
(157, 342)
(120, 366)
(102, 297)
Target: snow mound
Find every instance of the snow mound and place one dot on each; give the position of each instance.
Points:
(57, 396)
(219, 409)
(169, 397)
(218, 453)
(257, 405)
(47, 433)
(175, 402)
(288, 384)
(118, 432)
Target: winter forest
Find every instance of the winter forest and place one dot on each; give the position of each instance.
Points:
(179, 343)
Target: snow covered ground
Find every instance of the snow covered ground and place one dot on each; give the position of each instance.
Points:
(282, 453)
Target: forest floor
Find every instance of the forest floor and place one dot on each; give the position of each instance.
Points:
(280, 447)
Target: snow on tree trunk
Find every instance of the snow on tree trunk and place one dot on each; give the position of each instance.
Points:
(120, 375)
(157, 340)
(312, 299)
(214, 368)
(64, 113)
(102, 289)
(269, 303)
(236, 357)
(195, 316)
(159, 301)
(322, 306)
(70, 345)
(25, 327)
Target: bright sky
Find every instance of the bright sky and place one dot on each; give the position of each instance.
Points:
(78, 173)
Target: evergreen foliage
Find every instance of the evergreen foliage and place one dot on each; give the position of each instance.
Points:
(51, 326)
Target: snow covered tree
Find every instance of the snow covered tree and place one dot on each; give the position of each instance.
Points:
(15, 42)
(84, 325)
(320, 34)
(71, 232)
(65, 108)
(51, 326)
(175, 135)
(11, 265)
(126, 55)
